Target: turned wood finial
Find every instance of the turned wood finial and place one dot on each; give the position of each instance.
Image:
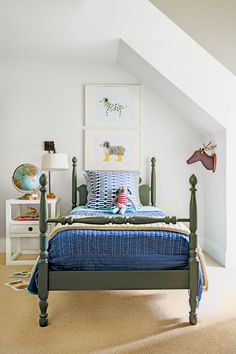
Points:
(193, 208)
(74, 182)
(193, 181)
(153, 181)
(43, 206)
(153, 161)
(43, 180)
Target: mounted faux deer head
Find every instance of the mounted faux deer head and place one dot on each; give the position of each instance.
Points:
(208, 161)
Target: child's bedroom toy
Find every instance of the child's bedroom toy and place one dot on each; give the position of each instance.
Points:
(208, 161)
(31, 212)
(121, 200)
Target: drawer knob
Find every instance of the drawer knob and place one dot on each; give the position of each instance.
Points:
(30, 228)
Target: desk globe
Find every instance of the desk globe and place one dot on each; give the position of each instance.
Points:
(26, 179)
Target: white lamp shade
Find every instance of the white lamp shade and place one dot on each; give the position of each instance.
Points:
(54, 162)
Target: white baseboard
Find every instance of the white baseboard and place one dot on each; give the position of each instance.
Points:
(215, 251)
(201, 242)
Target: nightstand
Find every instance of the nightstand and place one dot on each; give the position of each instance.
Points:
(18, 232)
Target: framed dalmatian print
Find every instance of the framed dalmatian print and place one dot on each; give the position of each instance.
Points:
(112, 106)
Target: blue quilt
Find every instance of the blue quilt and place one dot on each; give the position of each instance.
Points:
(91, 249)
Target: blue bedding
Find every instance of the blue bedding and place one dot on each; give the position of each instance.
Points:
(91, 249)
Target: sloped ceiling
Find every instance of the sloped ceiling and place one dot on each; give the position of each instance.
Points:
(211, 23)
(88, 30)
(188, 77)
(182, 103)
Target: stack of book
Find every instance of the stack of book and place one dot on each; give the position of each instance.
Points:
(20, 274)
(19, 284)
(27, 218)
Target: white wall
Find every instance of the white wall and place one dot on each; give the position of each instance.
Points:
(45, 101)
(172, 140)
(213, 87)
(214, 91)
(215, 240)
(230, 195)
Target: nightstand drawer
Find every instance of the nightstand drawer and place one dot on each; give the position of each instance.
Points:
(25, 229)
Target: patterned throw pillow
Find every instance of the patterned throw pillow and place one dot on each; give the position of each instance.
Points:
(104, 185)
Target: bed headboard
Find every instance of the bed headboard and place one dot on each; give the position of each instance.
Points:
(144, 190)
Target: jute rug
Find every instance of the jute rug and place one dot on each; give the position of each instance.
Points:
(121, 321)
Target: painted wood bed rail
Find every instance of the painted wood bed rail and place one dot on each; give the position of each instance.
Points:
(103, 220)
(97, 280)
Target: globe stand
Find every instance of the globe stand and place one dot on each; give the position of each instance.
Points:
(29, 196)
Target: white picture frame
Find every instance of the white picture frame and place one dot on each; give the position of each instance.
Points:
(112, 149)
(112, 106)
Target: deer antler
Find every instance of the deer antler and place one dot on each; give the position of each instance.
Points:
(209, 147)
(205, 146)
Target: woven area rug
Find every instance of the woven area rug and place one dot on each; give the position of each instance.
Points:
(121, 321)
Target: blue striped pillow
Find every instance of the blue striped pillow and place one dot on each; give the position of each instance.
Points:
(104, 185)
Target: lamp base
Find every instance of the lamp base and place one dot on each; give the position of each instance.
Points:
(51, 196)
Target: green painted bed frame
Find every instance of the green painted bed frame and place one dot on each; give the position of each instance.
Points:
(117, 280)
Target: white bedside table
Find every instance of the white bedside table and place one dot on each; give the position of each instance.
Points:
(16, 231)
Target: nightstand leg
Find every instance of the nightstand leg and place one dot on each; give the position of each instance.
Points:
(18, 245)
(8, 250)
(8, 238)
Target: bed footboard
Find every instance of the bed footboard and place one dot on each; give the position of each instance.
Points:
(187, 279)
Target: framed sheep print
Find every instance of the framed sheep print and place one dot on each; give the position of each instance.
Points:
(112, 106)
(112, 149)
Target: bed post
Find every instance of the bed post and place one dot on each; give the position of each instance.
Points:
(43, 258)
(74, 182)
(153, 181)
(193, 256)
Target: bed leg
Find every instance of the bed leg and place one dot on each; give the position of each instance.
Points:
(43, 292)
(193, 296)
(193, 257)
(43, 258)
(43, 317)
(193, 307)
(43, 321)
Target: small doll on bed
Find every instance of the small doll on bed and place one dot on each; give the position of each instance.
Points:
(120, 202)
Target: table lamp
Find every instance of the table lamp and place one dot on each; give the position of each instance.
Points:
(53, 161)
